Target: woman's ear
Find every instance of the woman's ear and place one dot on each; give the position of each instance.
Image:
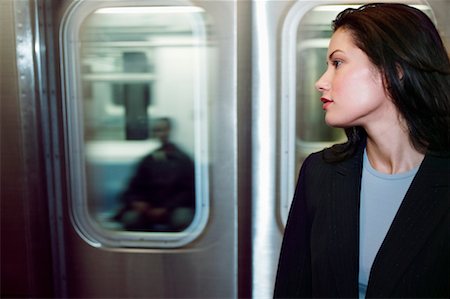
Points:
(399, 71)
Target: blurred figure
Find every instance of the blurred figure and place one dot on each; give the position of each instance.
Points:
(161, 195)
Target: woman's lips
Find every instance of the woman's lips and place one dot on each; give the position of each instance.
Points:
(326, 102)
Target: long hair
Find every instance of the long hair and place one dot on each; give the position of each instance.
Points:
(405, 46)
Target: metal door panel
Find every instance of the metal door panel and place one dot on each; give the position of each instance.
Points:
(207, 266)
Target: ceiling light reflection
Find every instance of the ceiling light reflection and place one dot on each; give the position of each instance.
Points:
(149, 10)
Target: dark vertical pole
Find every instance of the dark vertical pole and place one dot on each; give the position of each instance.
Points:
(136, 98)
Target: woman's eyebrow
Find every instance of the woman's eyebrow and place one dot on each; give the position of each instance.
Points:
(331, 55)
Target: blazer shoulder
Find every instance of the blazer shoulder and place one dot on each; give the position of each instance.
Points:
(439, 162)
(313, 164)
(317, 159)
(436, 169)
(314, 170)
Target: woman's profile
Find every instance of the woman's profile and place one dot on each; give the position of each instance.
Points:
(370, 217)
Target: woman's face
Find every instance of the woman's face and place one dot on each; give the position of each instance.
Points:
(352, 87)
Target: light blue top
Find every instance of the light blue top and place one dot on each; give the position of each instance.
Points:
(381, 196)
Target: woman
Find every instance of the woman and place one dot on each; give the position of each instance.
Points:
(370, 217)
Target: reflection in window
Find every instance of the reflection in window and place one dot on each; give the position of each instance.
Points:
(140, 96)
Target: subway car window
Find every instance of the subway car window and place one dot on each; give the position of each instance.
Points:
(136, 89)
(304, 126)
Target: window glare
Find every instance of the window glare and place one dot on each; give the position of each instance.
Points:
(149, 10)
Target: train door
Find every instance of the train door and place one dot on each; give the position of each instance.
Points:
(290, 44)
(148, 187)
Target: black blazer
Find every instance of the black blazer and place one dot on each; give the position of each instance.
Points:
(320, 250)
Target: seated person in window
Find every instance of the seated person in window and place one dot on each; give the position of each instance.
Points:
(161, 195)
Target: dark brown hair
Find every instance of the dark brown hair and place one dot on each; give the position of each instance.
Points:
(405, 46)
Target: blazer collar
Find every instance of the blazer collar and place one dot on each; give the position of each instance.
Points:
(344, 216)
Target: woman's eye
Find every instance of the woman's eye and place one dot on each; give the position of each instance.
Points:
(336, 63)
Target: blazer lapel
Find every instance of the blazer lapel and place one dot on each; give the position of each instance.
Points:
(344, 239)
(423, 207)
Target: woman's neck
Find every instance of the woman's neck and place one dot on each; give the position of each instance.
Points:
(390, 150)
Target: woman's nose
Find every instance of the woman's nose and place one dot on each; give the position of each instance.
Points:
(323, 84)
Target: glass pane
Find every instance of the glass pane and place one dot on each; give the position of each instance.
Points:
(140, 111)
